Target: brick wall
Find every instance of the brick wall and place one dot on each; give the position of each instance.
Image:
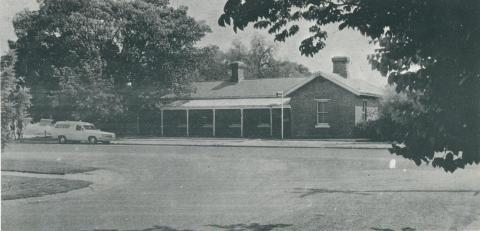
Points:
(340, 108)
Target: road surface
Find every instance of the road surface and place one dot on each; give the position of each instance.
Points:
(234, 188)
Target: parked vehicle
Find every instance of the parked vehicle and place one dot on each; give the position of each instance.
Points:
(39, 129)
(66, 131)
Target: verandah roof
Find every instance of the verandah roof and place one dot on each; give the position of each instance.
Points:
(227, 103)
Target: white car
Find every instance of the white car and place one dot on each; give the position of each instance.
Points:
(66, 131)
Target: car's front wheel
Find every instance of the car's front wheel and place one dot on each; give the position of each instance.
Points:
(62, 139)
(92, 139)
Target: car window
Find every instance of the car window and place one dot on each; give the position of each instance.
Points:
(89, 127)
(78, 127)
(62, 126)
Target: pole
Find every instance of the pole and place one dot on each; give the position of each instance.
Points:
(188, 132)
(271, 122)
(213, 123)
(282, 115)
(241, 122)
(161, 122)
(138, 123)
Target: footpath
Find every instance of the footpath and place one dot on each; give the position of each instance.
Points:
(333, 143)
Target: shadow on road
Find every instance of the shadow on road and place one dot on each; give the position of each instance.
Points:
(304, 192)
(382, 229)
(250, 227)
(154, 228)
(310, 191)
(235, 227)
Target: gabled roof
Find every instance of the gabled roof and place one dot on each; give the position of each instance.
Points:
(266, 88)
(356, 86)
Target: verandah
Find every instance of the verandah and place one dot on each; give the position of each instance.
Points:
(241, 122)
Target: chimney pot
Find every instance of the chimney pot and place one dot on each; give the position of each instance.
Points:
(340, 65)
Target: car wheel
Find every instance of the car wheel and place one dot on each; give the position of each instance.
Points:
(62, 139)
(92, 139)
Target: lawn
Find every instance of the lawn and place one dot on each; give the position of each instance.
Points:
(43, 167)
(17, 187)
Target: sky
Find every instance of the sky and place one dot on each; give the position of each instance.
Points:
(345, 43)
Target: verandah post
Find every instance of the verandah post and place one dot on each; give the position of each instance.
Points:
(188, 132)
(271, 123)
(161, 122)
(241, 122)
(213, 123)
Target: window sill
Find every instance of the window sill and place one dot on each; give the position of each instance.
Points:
(322, 125)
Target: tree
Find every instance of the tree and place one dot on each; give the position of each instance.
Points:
(427, 48)
(212, 64)
(238, 52)
(261, 62)
(84, 94)
(85, 59)
(15, 100)
(259, 58)
(288, 69)
(396, 112)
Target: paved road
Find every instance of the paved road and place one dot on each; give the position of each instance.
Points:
(226, 188)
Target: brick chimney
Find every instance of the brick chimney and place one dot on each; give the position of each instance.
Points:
(340, 65)
(238, 71)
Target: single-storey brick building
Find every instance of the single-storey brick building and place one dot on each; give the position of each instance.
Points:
(325, 105)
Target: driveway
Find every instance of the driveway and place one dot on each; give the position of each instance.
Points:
(233, 188)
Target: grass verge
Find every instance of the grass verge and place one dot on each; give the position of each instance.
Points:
(17, 187)
(43, 167)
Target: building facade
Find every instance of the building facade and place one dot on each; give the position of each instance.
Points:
(325, 105)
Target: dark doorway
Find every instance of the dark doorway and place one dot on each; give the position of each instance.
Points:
(201, 123)
(227, 123)
(256, 123)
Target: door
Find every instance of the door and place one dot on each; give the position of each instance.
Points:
(78, 133)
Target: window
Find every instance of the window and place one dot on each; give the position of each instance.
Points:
(365, 113)
(78, 128)
(364, 110)
(89, 127)
(62, 126)
(322, 114)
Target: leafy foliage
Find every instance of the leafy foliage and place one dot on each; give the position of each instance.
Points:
(86, 59)
(261, 61)
(212, 64)
(15, 100)
(428, 49)
(259, 58)
(396, 112)
(84, 94)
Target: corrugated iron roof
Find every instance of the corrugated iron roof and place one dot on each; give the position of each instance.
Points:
(356, 86)
(264, 88)
(249, 88)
